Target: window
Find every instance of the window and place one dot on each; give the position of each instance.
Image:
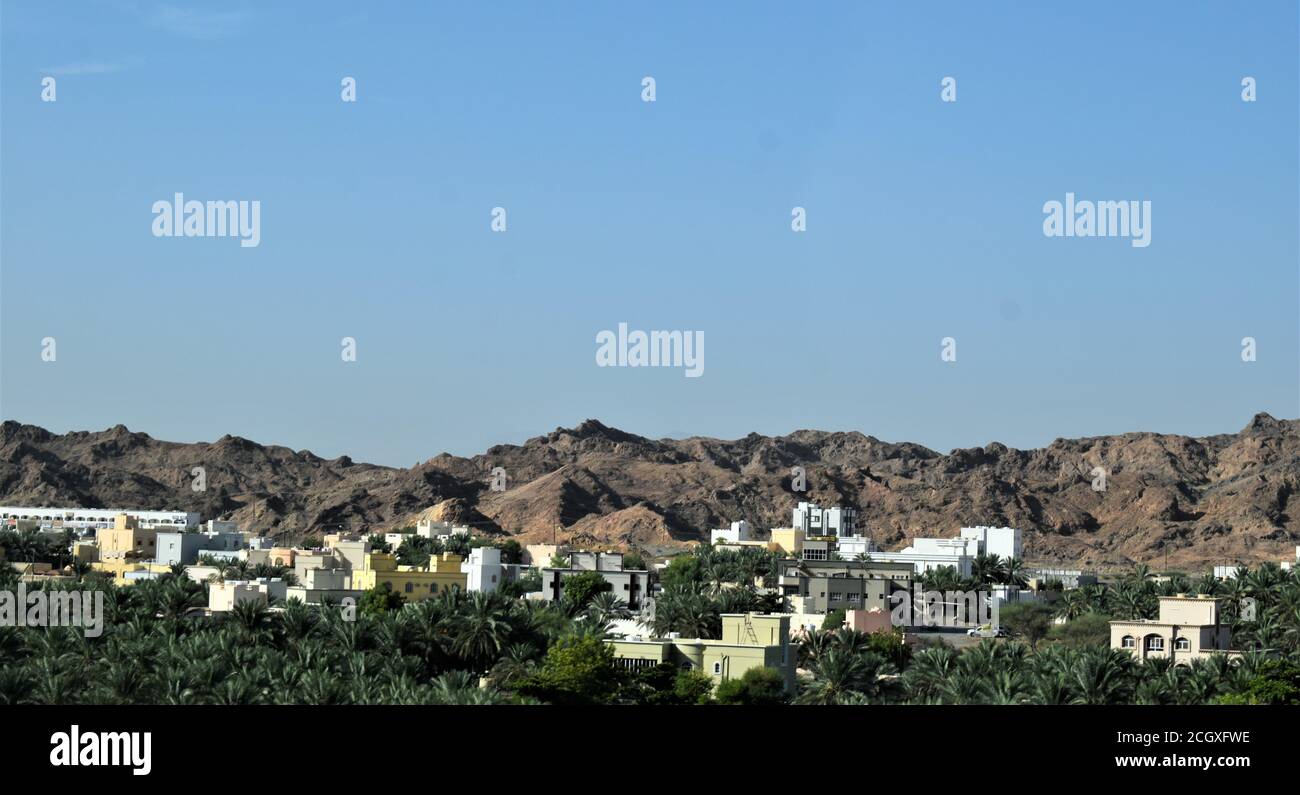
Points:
(1183, 644)
(717, 669)
(1128, 642)
(409, 588)
(1155, 643)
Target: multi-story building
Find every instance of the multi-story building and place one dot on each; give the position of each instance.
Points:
(1005, 542)
(185, 547)
(926, 554)
(1188, 628)
(127, 539)
(323, 585)
(413, 583)
(483, 570)
(749, 640)
(811, 586)
(815, 520)
(630, 585)
(97, 518)
(351, 554)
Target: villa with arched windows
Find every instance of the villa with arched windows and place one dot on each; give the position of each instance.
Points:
(1188, 628)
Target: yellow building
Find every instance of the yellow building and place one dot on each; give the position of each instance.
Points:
(788, 541)
(84, 551)
(118, 567)
(413, 583)
(126, 539)
(749, 640)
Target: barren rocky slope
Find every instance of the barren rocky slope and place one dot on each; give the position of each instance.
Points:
(1195, 501)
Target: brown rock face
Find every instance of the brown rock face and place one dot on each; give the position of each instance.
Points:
(1192, 502)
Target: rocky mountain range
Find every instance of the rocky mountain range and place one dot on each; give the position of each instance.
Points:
(1188, 502)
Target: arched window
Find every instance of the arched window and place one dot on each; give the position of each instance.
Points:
(1183, 644)
(1155, 643)
(1128, 642)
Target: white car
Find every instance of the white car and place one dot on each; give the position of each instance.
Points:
(987, 632)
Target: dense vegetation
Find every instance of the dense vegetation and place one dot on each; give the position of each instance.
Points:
(495, 648)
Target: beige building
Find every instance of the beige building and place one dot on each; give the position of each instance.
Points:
(126, 539)
(305, 560)
(223, 596)
(1188, 628)
(749, 640)
(540, 555)
(351, 555)
(788, 541)
(324, 585)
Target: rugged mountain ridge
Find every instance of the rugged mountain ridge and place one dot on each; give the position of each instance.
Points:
(1190, 501)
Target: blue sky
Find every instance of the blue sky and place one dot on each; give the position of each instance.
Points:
(924, 219)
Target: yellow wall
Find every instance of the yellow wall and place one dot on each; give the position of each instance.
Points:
(728, 658)
(382, 569)
(116, 567)
(126, 537)
(787, 541)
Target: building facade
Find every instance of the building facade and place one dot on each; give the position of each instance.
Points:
(97, 518)
(1188, 628)
(630, 585)
(815, 520)
(749, 640)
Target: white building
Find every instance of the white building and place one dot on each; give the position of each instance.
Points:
(97, 518)
(739, 531)
(815, 520)
(440, 530)
(927, 554)
(1005, 542)
(218, 526)
(927, 561)
(1227, 572)
(853, 546)
(483, 571)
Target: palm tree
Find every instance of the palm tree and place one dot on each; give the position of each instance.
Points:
(988, 568)
(605, 608)
(480, 630)
(1014, 572)
(839, 673)
(1100, 676)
